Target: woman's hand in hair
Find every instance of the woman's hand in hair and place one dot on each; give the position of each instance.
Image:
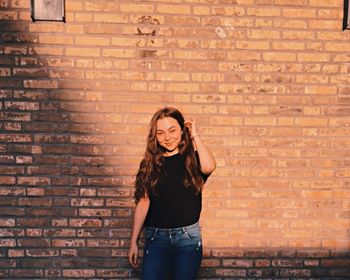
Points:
(192, 127)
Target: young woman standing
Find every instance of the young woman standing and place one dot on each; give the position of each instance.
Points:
(168, 198)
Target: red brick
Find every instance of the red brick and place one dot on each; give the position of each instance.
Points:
(13, 211)
(7, 180)
(68, 243)
(85, 223)
(12, 126)
(35, 201)
(42, 253)
(103, 243)
(262, 263)
(94, 212)
(113, 273)
(313, 253)
(258, 253)
(314, 263)
(32, 232)
(261, 273)
(93, 232)
(7, 242)
(237, 263)
(26, 273)
(336, 263)
(33, 222)
(87, 202)
(15, 138)
(94, 253)
(117, 223)
(287, 263)
(53, 273)
(78, 273)
(34, 242)
(14, 253)
(227, 253)
(33, 181)
(230, 272)
(210, 263)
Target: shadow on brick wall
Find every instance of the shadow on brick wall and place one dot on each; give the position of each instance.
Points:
(66, 205)
(290, 263)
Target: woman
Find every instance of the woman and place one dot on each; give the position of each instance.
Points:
(168, 198)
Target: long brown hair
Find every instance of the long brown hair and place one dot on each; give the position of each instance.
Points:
(151, 166)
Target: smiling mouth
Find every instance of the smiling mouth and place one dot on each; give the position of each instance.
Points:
(170, 146)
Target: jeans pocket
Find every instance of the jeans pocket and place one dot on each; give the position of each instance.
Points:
(150, 233)
(194, 233)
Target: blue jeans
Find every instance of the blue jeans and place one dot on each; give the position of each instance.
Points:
(172, 253)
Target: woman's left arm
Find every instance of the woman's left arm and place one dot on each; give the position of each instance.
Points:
(206, 159)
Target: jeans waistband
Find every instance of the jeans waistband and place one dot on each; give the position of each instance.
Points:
(185, 228)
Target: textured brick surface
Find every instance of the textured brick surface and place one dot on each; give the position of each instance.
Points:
(268, 81)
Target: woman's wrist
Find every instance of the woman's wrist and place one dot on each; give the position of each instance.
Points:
(193, 136)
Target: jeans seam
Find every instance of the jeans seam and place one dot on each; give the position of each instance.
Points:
(154, 234)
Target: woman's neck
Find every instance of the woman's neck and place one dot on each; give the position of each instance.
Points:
(171, 153)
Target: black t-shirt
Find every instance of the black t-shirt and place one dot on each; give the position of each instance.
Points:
(173, 205)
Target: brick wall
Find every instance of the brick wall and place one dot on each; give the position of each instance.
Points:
(268, 81)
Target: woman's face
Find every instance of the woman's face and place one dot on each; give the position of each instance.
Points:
(168, 135)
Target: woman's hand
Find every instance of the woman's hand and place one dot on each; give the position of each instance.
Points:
(192, 127)
(133, 255)
(139, 218)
